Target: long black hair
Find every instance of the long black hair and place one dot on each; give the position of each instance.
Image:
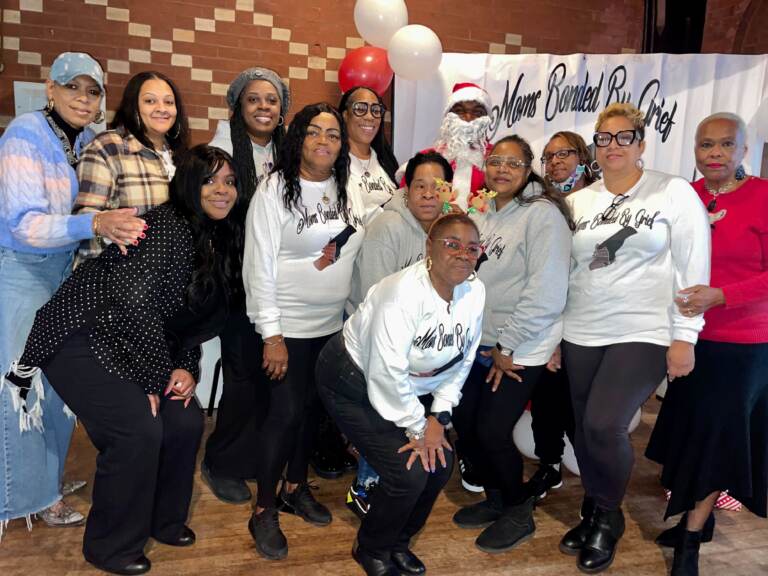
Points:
(379, 143)
(289, 160)
(548, 193)
(127, 115)
(218, 243)
(242, 148)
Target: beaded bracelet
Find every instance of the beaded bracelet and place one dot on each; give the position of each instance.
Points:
(96, 234)
(276, 342)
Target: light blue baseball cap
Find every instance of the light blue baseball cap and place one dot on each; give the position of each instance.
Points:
(69, 65)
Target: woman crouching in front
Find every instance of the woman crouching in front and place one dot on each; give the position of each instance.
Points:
(414, 335)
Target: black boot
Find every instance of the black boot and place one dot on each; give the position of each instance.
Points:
(225, 488)
(600, 546)
(574, 539)
(265, 530)
(303, 504)
(481, 514)
(671, 536)
(514, 526)
(686, 561)
(373, 566)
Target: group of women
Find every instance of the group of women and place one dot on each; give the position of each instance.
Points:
(576, 293)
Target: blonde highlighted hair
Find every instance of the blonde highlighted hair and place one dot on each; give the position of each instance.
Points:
(626, 110)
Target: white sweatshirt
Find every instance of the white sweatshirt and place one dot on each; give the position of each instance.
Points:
(404, 331)
(263, 156)
(369, 177)
(627, 269)
(285, 291)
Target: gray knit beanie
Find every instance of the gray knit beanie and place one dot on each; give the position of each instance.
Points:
(246, 76)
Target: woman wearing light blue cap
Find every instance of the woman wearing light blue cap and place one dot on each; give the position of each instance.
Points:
(38, 237)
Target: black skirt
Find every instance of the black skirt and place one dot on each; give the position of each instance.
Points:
(712, 430)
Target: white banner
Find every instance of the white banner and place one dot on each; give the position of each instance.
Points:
(537, 95)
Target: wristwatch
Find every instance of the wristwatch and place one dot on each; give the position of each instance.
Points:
(502, 350)
(443, 417)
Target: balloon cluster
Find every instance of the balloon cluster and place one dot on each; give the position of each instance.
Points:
(410, 51)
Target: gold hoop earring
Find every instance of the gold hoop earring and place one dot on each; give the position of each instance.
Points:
(473, 276)
(428, 263)
(99, 117)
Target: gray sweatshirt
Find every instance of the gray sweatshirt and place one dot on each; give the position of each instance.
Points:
(393, 241)
(528, 250)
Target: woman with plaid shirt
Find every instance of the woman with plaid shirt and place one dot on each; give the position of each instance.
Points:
(130, 165)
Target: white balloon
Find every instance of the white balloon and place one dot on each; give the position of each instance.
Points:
(378, 20)
(415, 52)
(569, 458)
(522, 435)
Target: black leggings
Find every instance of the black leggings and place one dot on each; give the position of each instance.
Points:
(552, 416)
(484, 421)
(608, 385)
(289, 427)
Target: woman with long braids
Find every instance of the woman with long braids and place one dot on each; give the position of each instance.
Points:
(119, 342)
(259, 101)
(526, 234)
(303, 231)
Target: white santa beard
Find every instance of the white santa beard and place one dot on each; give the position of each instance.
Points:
(463, 141)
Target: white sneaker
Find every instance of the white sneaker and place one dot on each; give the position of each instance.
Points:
(60, 515)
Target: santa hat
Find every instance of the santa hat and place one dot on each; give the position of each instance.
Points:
(468, 92)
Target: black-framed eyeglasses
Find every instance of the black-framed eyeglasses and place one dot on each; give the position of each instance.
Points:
(610, 212)
(623, 138)
(361, 109)
(560, 155)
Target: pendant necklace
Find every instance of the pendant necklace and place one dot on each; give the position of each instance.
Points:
(325, 198)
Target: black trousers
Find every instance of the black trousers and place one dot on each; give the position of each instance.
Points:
(484, 421)
(289, 428)
(231, 447)
(144, 468)
(404, 499)
(608, 385)
(552, 416)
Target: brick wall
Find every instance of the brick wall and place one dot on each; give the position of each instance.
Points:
(736, 26)
(203, 44)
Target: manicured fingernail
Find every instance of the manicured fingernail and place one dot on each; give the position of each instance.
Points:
(135, 242)
(142, 236)
(145, 226)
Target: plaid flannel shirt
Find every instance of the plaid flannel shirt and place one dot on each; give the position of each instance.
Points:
(118, 171)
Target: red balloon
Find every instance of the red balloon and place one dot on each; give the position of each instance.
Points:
(366, 66)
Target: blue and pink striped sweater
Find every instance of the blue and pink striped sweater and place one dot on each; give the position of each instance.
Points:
(38, 188)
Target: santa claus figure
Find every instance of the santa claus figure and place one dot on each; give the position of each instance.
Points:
(462, 139)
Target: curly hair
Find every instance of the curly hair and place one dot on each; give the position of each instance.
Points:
(289, 159)
(379, 143)
(626, 110)
(218, 244)
(548, 193)
(127, 115)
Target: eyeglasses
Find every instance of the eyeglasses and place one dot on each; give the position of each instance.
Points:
(623, 138)
(508, 161)
(473, 251)
(560, 155)
(361, 109)
(610, 212)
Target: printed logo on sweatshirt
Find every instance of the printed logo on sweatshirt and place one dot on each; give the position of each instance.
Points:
(325, 214)
(371, 184)
(493, 245)
(439, 337)
(626, 217)
(605, 252)
(410, 260)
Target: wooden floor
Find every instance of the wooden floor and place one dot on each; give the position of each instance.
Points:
(224, 547)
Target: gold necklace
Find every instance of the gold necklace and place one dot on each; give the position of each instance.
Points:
(721, 190)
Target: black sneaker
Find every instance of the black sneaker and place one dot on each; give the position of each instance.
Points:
(514, 526)
(547, 477)
(470, 479)
(358, 499)
(303, 504)
(270, 540)
(481, 514)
